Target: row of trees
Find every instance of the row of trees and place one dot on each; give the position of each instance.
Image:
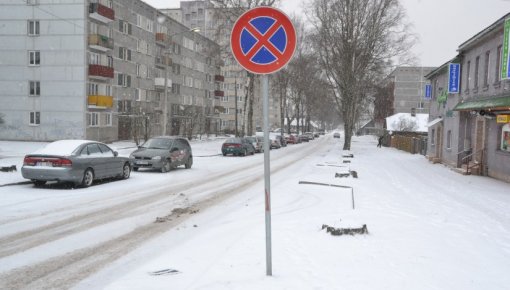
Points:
(340, 61)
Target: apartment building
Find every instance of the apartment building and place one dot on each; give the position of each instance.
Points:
(469, 129)
(102, 70)
(217, 25)
(409, 89)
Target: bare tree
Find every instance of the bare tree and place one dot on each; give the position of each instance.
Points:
(404, 124)
(356, 41)
(226, 13)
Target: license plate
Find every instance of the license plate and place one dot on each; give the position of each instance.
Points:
(142, 162)
(44, 164)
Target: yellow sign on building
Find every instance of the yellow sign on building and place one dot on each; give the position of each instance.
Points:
(503, 119)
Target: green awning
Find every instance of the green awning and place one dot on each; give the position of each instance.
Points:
(493, 103)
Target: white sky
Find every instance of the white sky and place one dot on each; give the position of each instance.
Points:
(441, 25)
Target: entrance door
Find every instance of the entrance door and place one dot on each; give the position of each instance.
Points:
(439, 142)
(479, 139)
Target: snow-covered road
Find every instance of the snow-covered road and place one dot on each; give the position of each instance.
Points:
(429, 227)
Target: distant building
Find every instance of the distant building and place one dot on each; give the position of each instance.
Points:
(216, 24)
(103, 70)
(409, 89)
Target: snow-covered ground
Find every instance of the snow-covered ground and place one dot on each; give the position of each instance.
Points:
(429, 227)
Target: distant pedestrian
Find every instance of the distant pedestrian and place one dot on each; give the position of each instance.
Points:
(379, 144)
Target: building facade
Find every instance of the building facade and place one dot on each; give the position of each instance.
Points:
(409, 95)
(470, 130)
(103, 70)
(216, 23)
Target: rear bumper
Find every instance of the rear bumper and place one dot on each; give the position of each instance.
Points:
(51, 174)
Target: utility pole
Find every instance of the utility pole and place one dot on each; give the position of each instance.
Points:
(235, 93)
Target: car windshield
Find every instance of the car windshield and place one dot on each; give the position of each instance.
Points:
(158, 143)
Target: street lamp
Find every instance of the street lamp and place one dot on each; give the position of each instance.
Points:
(165, 108)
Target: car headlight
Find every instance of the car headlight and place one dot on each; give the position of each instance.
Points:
(156, 158)
(131, 156)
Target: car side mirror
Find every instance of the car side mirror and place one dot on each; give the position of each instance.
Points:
(115, 153)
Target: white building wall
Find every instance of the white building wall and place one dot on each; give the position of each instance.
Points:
(62, 70)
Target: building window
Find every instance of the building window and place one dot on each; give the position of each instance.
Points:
(449, 139)
(477, 66)
(34, 57)
(33, 27)
(34, 88)
(497, 76)
(108, 119)
(35, 118)
(486, 71)
(505, 138)
(124, 80)
(433, 137)
(93, 119)
(124, 53)
(468, 77)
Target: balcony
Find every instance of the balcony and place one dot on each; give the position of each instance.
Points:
(100, 42)
(219, 78)
(160, 83)
(218, 93)
(100, 71)
(162, 39)
(163, 61)
(98, 101)
(101, 13)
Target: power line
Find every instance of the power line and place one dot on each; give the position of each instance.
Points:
(50, 13)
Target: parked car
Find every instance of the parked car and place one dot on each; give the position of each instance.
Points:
(291, 139)
(336, 135)
(257, 142)
(275, 143)
(163, 153)
(77, 161)
(237, 146)
(310, 135)
(283, 142)
(303, 138)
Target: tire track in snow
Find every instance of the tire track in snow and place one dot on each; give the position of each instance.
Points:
(67, 269)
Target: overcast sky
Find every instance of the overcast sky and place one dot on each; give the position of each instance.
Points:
(441, 25)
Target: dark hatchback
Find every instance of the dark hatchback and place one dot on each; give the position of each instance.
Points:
(237, 147)
(163, 153)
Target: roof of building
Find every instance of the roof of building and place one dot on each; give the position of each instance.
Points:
(480, 35)
(405, 122)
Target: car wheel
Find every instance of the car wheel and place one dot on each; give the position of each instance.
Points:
(126, 171)
(188, 163)
(166, 167)
(88, 178)
(39, 182)
(224, 154)
(135, 168)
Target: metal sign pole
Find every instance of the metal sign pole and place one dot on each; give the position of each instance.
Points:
(267, 184)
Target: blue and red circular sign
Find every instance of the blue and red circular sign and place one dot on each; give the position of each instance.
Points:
(263, 40)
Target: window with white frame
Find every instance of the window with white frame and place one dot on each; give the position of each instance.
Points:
(140, 95)
(224, 99)
(33, 27)
(34, 57)
(124, 80)
(93, 119)
(35, 118)
(34, 88)
(187, 100)
(188, 81)
(108, 119)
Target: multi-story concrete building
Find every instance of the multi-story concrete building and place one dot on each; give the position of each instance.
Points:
(102, 70)
(215, 23)
(470, 130)
(409, 86)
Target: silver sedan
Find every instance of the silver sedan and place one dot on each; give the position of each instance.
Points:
(77, 161)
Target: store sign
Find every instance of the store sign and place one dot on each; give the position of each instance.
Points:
(503, 119)
(453, 78)
(505, 59)
(428, 92)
